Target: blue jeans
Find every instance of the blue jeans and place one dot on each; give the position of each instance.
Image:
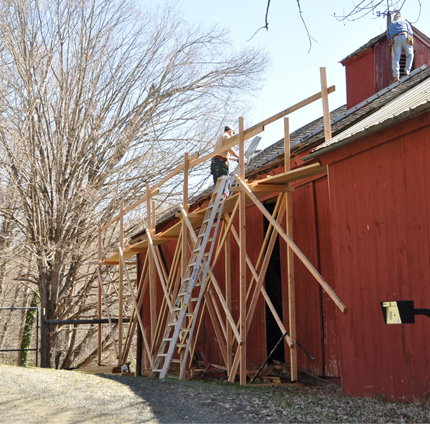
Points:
(218, 168)
(401, 43)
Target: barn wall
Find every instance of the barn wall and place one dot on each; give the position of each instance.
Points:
(360, 77)
(380, 202)
(383, 68)
(371, 71)
(316, 313)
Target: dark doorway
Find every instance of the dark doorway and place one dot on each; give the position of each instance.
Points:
(273, 285)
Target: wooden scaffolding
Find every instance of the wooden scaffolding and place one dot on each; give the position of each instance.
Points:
(231, 334)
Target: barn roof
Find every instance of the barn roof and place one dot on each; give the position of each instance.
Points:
(412, 97)
(343, 122)
(312, 135)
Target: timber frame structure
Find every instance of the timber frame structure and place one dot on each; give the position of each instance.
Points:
(231, 334)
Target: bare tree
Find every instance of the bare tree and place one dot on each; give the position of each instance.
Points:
(98, 98)
(359, 10)
(374, 8)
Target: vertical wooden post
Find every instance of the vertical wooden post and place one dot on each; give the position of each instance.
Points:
(121, 285)
(154, 217)
(326, 109)
(290, 259)
(152, 271)
(185, 255)
(99, 311)
(139, 337)
(227, 254)
(42, 339)
(242, 255)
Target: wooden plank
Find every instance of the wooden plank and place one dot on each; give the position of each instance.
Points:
(293, 175)
(129, 208)
(121, 285)
(256, 129)
(227, 273)
(291, 289)
(152, 272)
(136, 307)
(160, 272)
(261, 288)
(326, 109)
(242, 257)
(99, 300)
(295, 249)
(185, 252)
(266, 188)
(290, 258)
(108, 312)
(216, 327)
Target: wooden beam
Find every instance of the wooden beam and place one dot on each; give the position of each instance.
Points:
(267, 188)
(260, 287)
(99, 301)
(108, 313)
(121, 285)
(294, 247)
(290, 260)
(326, 109)
(160, 272)
(293, 175)
(227, 273)
(136, 307)
(129, 208)
(242, 257)
(152, 272)
(258, 128)
(185, 252)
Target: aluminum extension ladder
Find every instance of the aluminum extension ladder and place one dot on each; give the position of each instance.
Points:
(178, 335)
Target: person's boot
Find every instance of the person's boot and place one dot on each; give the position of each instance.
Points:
(395, 80)
(406, 73)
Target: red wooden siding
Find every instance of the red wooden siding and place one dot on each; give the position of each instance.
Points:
(360, 76)
(383, 67)
(380, 202)
(315, 311)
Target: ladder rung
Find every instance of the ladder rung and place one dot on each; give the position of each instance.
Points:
(167, 340)
(157, 370)
(162, 354)
(181, 345)
(177, 361)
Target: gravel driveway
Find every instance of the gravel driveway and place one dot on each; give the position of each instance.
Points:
(43, 396)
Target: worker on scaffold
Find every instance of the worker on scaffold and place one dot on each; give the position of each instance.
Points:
(219, 163)
(400, 37)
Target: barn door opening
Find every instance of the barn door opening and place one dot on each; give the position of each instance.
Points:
(273, 285)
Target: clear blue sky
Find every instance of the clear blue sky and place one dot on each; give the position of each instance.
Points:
(294, 73)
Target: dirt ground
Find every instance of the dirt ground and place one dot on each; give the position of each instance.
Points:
(43, 396)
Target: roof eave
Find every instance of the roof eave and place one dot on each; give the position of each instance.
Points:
(404, 116)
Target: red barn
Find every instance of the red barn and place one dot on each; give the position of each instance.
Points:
(365, 229)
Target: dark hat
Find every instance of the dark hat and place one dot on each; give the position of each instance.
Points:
(228, 128)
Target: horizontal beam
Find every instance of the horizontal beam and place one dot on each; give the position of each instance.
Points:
(83, 321)
(293, 247)
(267, 188)
(258, 128)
